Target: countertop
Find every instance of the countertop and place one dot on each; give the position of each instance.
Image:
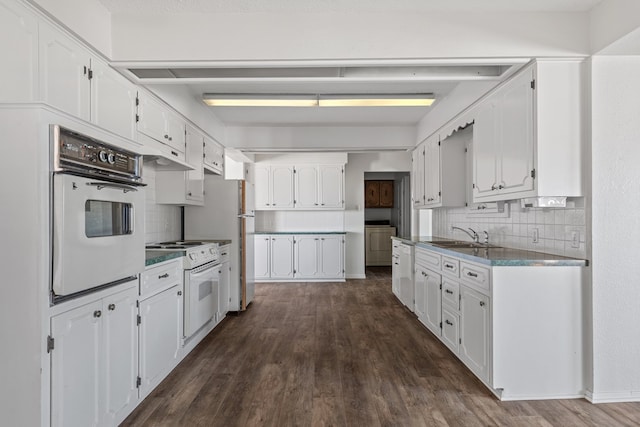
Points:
(154, 257)
(496, 256)
(299, 232)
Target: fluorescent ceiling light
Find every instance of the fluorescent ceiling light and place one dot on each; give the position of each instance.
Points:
(396, 100)
(233, 100)
(361, 100)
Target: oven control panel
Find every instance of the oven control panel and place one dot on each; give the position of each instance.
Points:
(75, 151)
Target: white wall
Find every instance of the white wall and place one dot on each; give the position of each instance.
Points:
(89, 19)
(343, 138)
(354, 200)
(616, 227)
(612, 20)
(348, 34)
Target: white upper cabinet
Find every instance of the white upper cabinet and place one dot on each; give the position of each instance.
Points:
(157, 121)
(213, 156)
(432, 172)
(79, 83)
(527, 135)
(262, 174)
(417, 176)
(113, 100)
(274, 187)
(319, 187)
(65, 70)
(19, 50)
(503, 141)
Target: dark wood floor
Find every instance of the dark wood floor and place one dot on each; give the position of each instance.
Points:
(341, 354)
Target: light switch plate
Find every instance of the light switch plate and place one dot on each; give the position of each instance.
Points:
(575, 239)
(536, 235)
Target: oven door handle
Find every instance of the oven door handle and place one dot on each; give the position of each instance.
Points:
(101, 185)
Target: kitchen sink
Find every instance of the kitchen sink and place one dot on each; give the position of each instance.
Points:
(462, 244)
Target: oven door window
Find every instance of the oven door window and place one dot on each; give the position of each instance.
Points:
(104, 218)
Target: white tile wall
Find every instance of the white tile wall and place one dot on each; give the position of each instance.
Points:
(162, 222)
(556, 227)
(299, 221)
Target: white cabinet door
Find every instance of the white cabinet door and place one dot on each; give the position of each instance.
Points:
(433, 311)
(407, 287)
(225, 283)
(307, 187)
(262, 176)
(395, 275)
(332, 256)
(75, 366)
(432, 172)
(213, 155)
(515, 162)
(64, 72)
(120, 351)
(113, 100)
(175, 127)
(19, 50)
(474, 331)
(307, 256)
(485, 150)
(417, 175)
(331, 186)
(281, 186)
(151, 114)
(160, 336)
(262, 256)
(282, 257)
(420, 281)
(194, 155)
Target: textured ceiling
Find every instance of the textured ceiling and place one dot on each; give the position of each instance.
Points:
(249, 6)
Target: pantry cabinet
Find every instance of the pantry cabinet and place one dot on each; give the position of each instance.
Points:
(83, 85)
(19, 50)
(94, 362)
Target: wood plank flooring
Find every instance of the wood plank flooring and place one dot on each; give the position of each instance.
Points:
(341, 354)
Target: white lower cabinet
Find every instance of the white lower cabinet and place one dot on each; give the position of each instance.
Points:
(94, 362)
(224, 290)
(491, 319)
(402, 268)
(160, 336)
(395, 268)
(474, 331)
(299, 257)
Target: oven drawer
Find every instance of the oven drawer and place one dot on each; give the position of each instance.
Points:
(160, 277)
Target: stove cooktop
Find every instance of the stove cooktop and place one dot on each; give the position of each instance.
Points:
(195, 253)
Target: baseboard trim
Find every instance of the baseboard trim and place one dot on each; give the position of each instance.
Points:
(613, 397)
(356, 276)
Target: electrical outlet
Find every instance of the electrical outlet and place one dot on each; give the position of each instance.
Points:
(536, 235)
(575, 239)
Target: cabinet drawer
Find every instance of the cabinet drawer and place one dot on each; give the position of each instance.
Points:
(428, 259)
(161, 277)
(395, 247)
(450, 266)
(451, 294)
(451, 329)
(225, 252)
(475, 275)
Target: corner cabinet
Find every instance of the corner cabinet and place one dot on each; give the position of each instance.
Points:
(299, 187)
(287, 257)
(490, 318)
(527, 135)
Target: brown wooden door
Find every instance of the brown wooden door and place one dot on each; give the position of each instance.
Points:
(386, 194)
(371, 194)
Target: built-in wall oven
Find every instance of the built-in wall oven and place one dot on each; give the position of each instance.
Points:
(97, 214)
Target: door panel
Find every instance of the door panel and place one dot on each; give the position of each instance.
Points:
(331, 186)
(282, 257)
(307, 187)
(332, 256)
(307, 256)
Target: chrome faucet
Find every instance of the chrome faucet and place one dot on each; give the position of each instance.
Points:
(486, 237)
(473, 236)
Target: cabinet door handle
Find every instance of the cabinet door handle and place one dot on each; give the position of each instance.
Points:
(448, 322)
(189, 193)
(179, 293)
(112, 307)
(472, 274)
(97, 313)
(163, 276)
(481, 303)
(166, 136)
(448, 266)
(449, 291)
(174, 153)
(500, 187)
(396, 263)
(266, 238)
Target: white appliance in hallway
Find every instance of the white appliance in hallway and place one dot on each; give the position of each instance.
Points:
(228, 213)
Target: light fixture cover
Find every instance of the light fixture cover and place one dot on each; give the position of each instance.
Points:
(355, 100)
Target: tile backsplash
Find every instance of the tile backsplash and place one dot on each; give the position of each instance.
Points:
(561, 231)
(162, 222)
